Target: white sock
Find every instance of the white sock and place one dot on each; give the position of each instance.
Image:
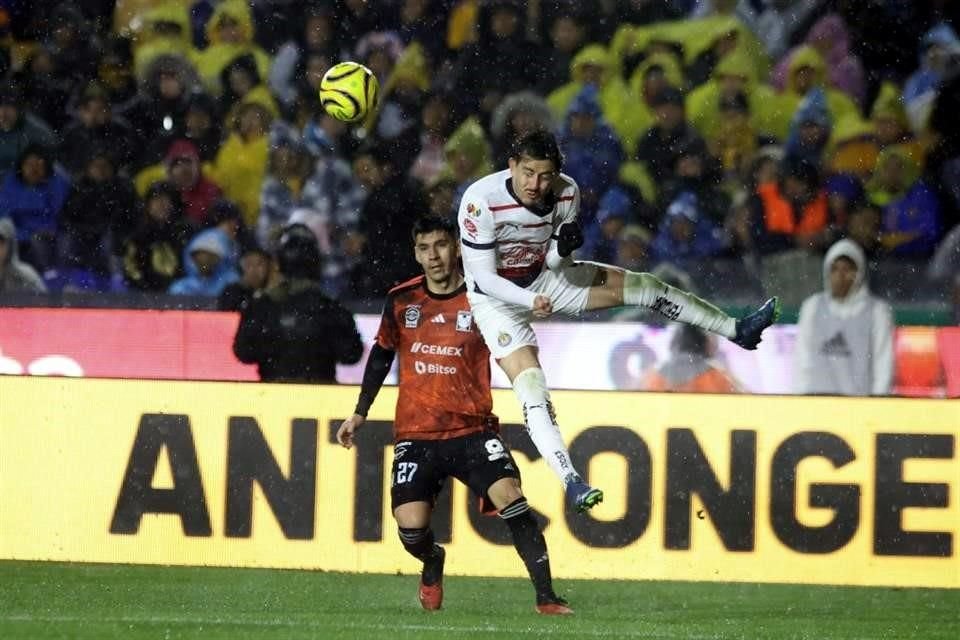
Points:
(646, 290)
(531, 389)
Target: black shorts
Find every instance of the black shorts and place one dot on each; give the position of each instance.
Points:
(478, 460)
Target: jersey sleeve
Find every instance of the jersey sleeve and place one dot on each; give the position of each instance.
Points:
(477, 230)
(388, 335)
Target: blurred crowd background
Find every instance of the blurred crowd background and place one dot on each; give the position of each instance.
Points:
(152, 151)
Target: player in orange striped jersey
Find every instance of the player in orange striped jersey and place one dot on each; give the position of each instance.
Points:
(444, 423)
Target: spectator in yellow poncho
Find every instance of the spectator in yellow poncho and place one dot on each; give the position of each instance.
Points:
(852, 149)
(709, 41)
(241, 163)
(808, 70)
(166, 29)
(657, 71)
(595, 65)
(736, 74)
(890, 123)
(230, 33)
(468, 156)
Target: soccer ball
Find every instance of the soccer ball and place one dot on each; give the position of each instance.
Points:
(349, 91)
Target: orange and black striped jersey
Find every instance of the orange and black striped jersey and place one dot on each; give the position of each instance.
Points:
(444, 364)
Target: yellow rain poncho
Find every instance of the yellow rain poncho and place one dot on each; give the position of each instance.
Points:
(838, 103)
(149, 43)
(640, 117)
(467, 153)
(852, 149)
(241, 165)
(211, 61)
(703, 103)
(614, 98)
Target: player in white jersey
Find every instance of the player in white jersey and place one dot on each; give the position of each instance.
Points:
(518, 230)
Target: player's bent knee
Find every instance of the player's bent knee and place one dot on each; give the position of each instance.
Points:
(412, 515)
(504, 491)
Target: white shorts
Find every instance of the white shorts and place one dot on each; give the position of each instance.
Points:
(506, 327)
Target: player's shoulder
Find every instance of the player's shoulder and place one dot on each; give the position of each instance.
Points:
(487, 188)
(405, 290)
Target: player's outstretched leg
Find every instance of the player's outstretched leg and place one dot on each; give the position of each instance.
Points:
(532, 549)
(751, 326)
(530, 386)
(419, 543)
(646, 290)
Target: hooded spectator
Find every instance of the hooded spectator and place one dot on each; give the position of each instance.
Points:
(809, 129)
(18, 128)
(614, 213)
(912, 214)
(151, 255)
(939, 54)
(844, 334)
(166, 30)
(230, 32)
(687, 236)
(481, 82)
(96, 126)
(33, 197)
(831, 38)
(241, 163)
(592, 153)
(197, 191)
(808, 71)
(100, 213)
(209, 265)
(318, 34)
(158, 112)
(595, 65)
(15, 275)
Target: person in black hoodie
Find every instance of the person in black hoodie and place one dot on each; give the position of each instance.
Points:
(101, 211)
(158, 112)
(152, 254)
(292, 331)
(393, 203)
(502, 61)
(94, 125)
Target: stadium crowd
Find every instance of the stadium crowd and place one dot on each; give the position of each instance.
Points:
(148, 145)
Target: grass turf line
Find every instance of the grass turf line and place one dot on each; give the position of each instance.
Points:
(40, 601)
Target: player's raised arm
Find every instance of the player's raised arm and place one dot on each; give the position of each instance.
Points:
(568, 236)
(479, 250)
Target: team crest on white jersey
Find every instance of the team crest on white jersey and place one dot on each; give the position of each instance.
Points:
(411, 317)
(464, 321)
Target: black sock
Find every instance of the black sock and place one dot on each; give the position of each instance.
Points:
(419, 543)
(530, 545)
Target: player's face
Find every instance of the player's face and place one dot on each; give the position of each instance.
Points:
(843, 273)
(532, 179)
(437, 253)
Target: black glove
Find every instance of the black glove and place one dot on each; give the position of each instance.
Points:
(569, 238)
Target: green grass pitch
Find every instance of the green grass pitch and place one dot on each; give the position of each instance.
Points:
(41, 601)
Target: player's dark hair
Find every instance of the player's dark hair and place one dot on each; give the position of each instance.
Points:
(429, 224)
(539, 144)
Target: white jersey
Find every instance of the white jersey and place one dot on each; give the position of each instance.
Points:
(491, 218)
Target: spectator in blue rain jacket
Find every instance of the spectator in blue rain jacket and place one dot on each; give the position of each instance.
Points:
(592, 152)
(208, 264)
(686, 235)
